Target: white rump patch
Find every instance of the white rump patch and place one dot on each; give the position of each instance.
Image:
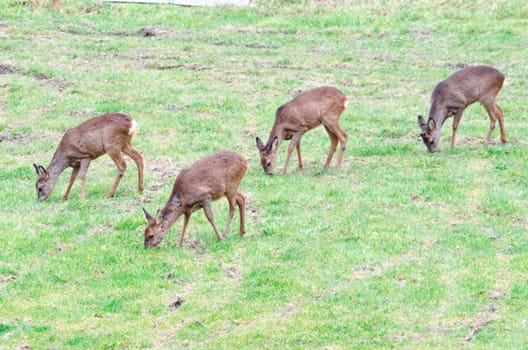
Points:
(132, 129)
(346, 104)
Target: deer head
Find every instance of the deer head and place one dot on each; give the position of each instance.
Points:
(268, 154)
(44, 185)
(430, 134)
(155, 230)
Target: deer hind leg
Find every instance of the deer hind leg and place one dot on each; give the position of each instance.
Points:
(206, 204)
(500, 117)
(456, 121)
(73, 176)
(138, 159)
(241, 202)
(495, 113)
(121, 167)
(333, 128)
(231, 199)
(85, 163)
(333, 145)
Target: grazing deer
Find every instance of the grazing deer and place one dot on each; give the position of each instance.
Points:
(207, 180)
(109, 133)
(56, 5)
(322, 105)
(451, 96)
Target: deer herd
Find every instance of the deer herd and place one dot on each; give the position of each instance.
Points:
(220, 174)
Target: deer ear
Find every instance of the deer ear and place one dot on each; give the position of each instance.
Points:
(421, 122)
(41, 171)
(431, 124)
(260, 145)
(148, 216)
(275, 144)
(158, 218)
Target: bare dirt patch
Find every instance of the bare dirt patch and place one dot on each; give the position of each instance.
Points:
(53, 82)
(13, 137)
(231, 271)
(192, 67)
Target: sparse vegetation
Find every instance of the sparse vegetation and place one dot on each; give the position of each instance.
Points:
(397, 249)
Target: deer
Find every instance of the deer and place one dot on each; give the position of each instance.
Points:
(205, 181)
(56, 5)
(322, 105)
(110, 133)
(451, 97)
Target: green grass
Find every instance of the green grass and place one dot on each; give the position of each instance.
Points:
(397, 249)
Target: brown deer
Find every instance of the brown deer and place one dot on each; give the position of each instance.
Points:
(451, 96)
(109, 133)
(207, 180)
(56, 5)
(322, 105)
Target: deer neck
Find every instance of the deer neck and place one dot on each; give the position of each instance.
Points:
(171, 212)
(58, 163)
(438, 113)
(276, 132)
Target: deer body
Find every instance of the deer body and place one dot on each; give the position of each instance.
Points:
(207, 180)
(451, 97)
(322, 105)
(110, 133)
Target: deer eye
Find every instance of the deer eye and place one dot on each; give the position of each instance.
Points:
(268, 164)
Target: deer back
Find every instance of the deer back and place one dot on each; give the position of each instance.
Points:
(307, 109)
(213, 177)
(95, 136)
(465, 87)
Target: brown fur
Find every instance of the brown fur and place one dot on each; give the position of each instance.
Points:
(451, 97)
(207, 180)
(322, 105)
(109, 133)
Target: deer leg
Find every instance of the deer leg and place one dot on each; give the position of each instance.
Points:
(121, 167)
(456, 121)
(138, 159)
(73, 176)
(299, 159)
(206, 204)
(85, 163)
(231, 199)
(186, 217)
(241, 202)
(293, 144)
(500, 117)
(341, 135)
(495, 113)
(333, 146)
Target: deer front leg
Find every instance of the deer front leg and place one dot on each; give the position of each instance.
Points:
(456, 121)
(293, 144)
(186, 217)
(85, 163)
(73, 176)
(299, 158)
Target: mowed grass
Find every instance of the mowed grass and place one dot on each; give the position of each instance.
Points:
(397, 249)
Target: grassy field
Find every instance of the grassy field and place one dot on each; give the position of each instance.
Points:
(397, 249)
